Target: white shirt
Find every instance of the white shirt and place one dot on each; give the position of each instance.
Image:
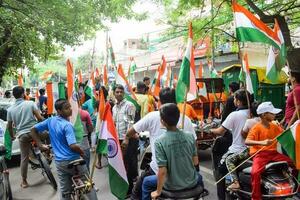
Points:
(151, 123)
(235, 123)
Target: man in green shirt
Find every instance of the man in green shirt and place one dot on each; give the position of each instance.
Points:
(176, 156)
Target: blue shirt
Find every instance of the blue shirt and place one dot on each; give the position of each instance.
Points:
(88, 106)
(42, 101)
(62, 135)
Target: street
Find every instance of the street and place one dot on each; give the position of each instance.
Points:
(40, 187)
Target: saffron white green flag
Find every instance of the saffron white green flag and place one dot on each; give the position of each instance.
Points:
(117, 174)
(276, 58)
(251, 29)
(72, 97)
(290, 142)
(122, 80)
(245, 74)
(187, 78)
(212, 71)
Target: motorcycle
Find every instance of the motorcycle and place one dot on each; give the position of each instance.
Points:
(195, 193)
(205, 139)
(277, 181)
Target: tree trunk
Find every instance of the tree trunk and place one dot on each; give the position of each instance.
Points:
(5, 52)
(293, 57)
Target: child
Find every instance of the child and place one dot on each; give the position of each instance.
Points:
(64, 146)
(176, 156)
(234, 159)
(263, 135)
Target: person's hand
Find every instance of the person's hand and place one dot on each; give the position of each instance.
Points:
(44, 147)
(267, 142)
(155, 194)
(12, 138)
(124, 144)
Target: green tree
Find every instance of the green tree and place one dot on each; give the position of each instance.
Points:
(33, 30)
(287, 13)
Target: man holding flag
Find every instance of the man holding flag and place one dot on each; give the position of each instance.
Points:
(123, 115)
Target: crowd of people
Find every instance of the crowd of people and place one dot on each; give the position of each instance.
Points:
(174, 164)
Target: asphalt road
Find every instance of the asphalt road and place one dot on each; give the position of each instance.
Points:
(41, 189)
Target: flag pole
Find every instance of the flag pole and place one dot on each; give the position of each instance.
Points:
(184, 108)
(241, 61)
(96, 155)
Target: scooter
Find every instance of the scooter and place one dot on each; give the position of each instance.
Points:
(277, 180)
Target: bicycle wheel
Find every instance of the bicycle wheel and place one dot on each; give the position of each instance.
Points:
(46, 167)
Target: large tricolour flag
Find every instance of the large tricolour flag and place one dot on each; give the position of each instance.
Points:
(249, 28)
(109, 139)
(187, 78)
(72, 97)
(290, 142)
(276, 58)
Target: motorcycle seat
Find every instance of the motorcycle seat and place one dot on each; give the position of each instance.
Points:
(77, 162)
(276, 165)
(183, 194)
(2, 150)
(269, 166)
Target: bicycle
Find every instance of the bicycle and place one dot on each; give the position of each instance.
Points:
(81, 183)
(5, 189)
(42, 163)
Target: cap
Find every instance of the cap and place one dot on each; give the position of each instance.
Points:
(267, 107)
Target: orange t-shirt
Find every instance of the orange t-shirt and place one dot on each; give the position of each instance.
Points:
(258, 133)
(189, 110)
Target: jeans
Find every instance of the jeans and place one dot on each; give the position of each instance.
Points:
(65, 179)
(150, 185)
(87, 157)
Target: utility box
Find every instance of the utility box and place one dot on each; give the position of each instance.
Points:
(263, 89)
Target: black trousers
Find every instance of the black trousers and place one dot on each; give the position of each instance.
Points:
(220, 147)
(137, 189)
(131, 161)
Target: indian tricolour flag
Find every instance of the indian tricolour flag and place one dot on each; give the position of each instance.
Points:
(212, 71)
(276, 58)
(290, 142)
(187, 79)
(249, 28)
(122, 80)
(72, 97)
(7, 139)
(155, 87)
(89, 89)
(117, 174)
(245, 74)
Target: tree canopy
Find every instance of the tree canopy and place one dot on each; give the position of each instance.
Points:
(220, 18)
(33, 30)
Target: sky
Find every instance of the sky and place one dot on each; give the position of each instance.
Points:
(124, 29)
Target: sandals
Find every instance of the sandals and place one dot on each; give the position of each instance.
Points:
(24, 185)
